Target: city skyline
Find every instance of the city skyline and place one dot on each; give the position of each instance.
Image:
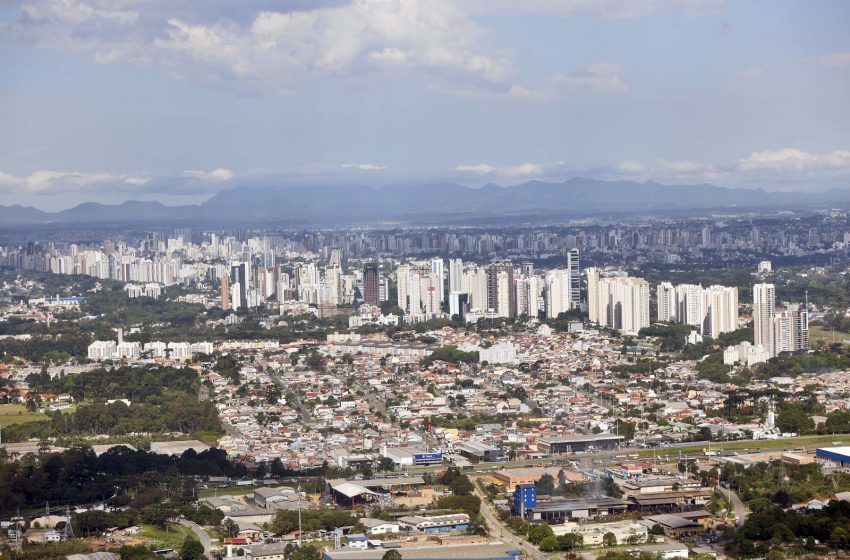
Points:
(156, 102)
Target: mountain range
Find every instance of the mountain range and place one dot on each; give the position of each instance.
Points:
(575, 197)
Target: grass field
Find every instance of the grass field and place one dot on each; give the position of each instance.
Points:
(172, 538)
(18, 414)
(232, 491)
(820, 333)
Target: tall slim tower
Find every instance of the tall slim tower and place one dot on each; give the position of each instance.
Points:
(764, 311)
(225, 292)
(370, 284)
(574, 272)
(455, 275)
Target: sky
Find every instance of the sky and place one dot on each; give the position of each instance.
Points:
(174, 100)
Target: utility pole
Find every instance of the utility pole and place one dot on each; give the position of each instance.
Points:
(299, 516)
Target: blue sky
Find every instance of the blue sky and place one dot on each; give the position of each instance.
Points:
(111, 100)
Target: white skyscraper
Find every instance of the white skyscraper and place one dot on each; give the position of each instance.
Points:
(721, 310)
(594, 296)
(618, 301)
(455, 275)
(437, 268)
(402, 282)
(574, 272)
(558, 292)
(790, 330)
(764, 311)
(666, 302)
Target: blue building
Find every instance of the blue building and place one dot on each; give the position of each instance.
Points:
(525, 498)
(840, 455)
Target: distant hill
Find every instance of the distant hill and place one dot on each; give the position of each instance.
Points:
(575, 197)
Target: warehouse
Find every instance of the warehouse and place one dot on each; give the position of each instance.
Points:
(435, 523)
(839, 455)
(478, 452)
(580, 443)
(489, 551)
(511, 478)
(560, 509)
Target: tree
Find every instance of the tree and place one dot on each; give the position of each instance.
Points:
(609, 539)
(546, 485)
(386, 464)
(230, 528)
(191, 549)
(391, 554)
(549, 544)
(538, 532)
(570, 541)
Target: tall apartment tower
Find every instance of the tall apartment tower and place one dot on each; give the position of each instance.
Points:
(791, 330)
(370, 284)
(455, 275)
(501, 292)
(594, 303)
(764, 311)
(239, 277)
(574, 272)
(437, 269)
(225, 292)
(618, 301)
(666, 302)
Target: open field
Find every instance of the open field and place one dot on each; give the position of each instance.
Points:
(827, 335)
(18, 414)
(172, 538)
(231, 491)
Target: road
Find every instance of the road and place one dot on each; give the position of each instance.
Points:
(202, 534)
(740, 509)
(501, 531)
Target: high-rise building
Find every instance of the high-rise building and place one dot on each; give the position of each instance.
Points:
(618, 301)
(721, 310)
(458, 304)
(437, 270)
(594, 296)
(455, 275)
(764, 311)
(790, 330)
(557, 292)
(666, 302)
(239, 279)
(713, 310)
(370, 284)
(402, 274)
(574, 272)
(500, 288)
(225, 292)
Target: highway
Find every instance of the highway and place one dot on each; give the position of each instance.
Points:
(202, 534)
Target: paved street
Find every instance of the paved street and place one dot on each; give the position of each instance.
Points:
(740, 509)
(501, 531)
(202, 534)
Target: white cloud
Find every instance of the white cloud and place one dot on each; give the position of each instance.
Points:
(273, 52)
(600, 76)
(217, 175)
(45, 182)
(363, 166)
(601, 9)
(763, 168)
(796, 162)
(509, 174)
(835, 59)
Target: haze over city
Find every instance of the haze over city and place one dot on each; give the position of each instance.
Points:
(159, 100)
